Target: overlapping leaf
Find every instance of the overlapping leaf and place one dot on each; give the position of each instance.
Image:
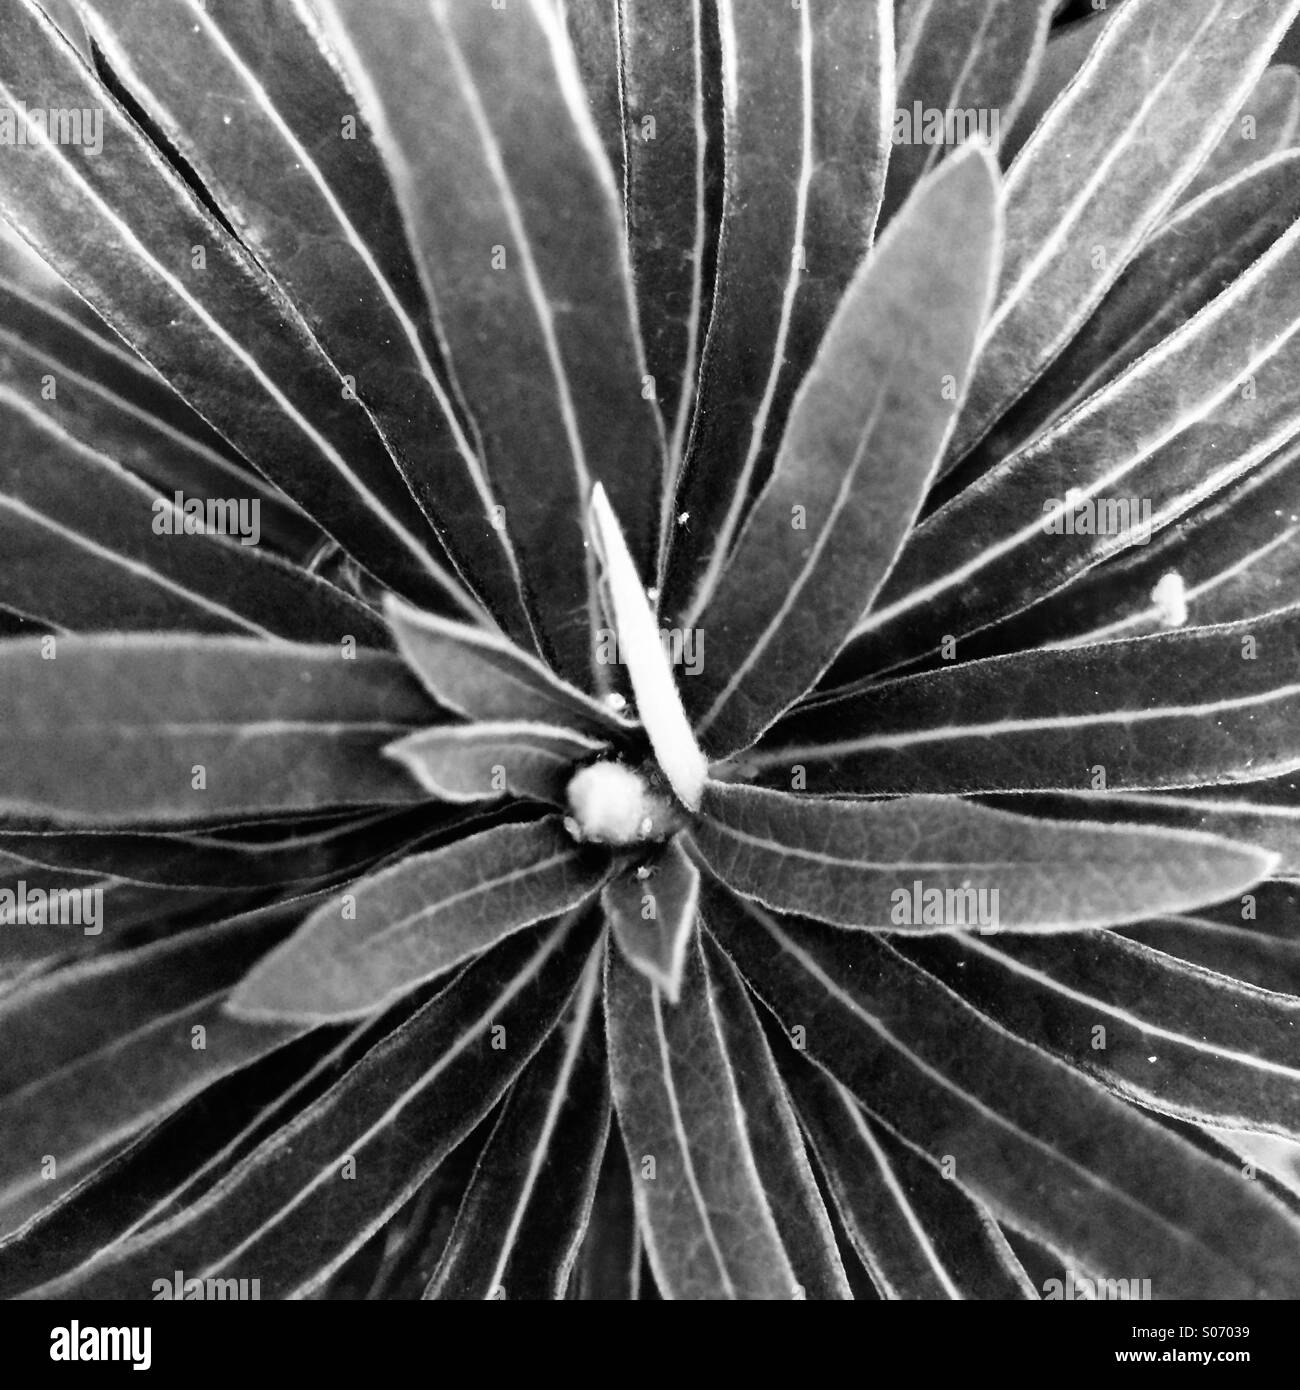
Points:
(293, 1210)
(858, 454)
(651, 912)
(525, 263)
(871, 863)
(1201, 706)
(1267, 122)
(1046, 1150)
(1152, 99)
(419, 918)
(806, 117)
(163, 730)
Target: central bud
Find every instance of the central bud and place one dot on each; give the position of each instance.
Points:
(613, 804)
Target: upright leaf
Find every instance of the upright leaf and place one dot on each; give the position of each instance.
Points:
(1150, 102)
(651, 911)
(859, 452)
(526, 265)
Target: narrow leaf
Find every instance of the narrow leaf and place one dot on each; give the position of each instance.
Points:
(418, 919)
(652, 912)
(1150, 102)
(485, 761)
(864, 437)
(525, 263)
(925, 864)
(1046, 1150)
(706, 1221)
(521, 1220)
(1267, 122)
(177, 729)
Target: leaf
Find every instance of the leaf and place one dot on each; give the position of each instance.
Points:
(659, 704)
(284, 1214)
(121, 228)
(774, 1136)
(141, 715)
(1267, 122)
(611, 1261)
(1172, 1037)
(249, 101)
(872, 864)
(111, 399)
(485, 678)
(520, 1223)
(418, 919)
(1047, 1151)
(124, 559)
(526, 266)
(656, 945)
(1109, 159)
(669, 94)
(918, 1233)
(1253, 939)
(479, 762)
(976, 56)
(708, 1227)
(1212, 401)
(1182, 267)
(1202, 705)
(857, 457)
(98, 1051)
(805, 114)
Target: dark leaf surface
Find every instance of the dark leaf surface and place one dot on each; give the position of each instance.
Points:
(651, 911)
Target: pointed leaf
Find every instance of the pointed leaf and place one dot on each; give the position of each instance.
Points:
(1267, 122)
(1203, 705)
(657, 944)
(967, 56)
(487, 679)
(917, 1232)
(1173, 1037)
(1049, 1152)
(1152, 99)
(484, 761)
(871, 863)
(805, 112)
(520, 1222)
(773, 1130)
(705, 1219)
(1214, 399)
(122, 228)
(857, 457)
(284, 1215)
(244, 95)
(418, 919)
(140, 716)
(124, 558)
(525, 263)
(658, 702)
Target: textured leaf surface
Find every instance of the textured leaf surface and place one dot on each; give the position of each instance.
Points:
(707, 1224)
(863, 439)
(417, 919)
(918, 1233)
(1152, 99)
(520, 1222)
(526, 265)
(806, 118)
(1046, 1150)
(274, 728)
(869, 863)
(285, 1214)
(1204, 705)
(1267, 122)
(653, 917)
